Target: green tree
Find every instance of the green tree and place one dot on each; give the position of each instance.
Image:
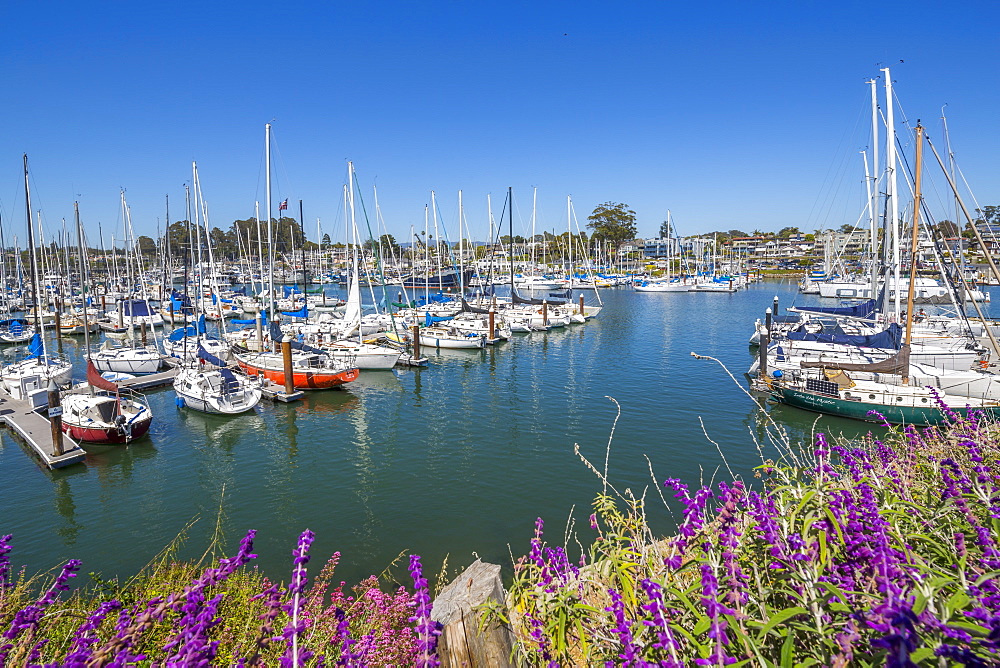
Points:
(326, 240)
(948, 229)
(146, 245)
(786, 232)
(665, 230)
(613, 222)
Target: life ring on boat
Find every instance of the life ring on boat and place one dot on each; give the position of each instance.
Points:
(984, 364)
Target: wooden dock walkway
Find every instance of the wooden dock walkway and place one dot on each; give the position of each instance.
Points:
(36, 431)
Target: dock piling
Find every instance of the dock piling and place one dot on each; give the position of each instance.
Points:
(55, 419)
(286, 356)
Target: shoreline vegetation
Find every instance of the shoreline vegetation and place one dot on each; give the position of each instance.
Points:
(873, 551)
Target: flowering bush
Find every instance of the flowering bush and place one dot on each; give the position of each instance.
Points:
(179, 614)
(859, 553)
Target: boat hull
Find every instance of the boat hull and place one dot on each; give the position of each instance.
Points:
(930, 414)
(301, 379)
(107, 435)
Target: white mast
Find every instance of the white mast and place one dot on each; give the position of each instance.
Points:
(890, 158)
(873, 194)
(270, 236)
(461, 247)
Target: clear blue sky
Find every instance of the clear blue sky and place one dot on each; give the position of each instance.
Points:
(735, 114)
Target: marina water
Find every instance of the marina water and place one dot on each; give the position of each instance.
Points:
(456, 459)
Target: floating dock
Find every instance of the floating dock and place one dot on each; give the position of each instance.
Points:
(36, 431)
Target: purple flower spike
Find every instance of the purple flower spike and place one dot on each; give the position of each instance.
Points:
(294, 655)
(427, 630)
(5, 561)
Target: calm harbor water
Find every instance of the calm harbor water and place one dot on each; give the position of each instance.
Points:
(459, 458)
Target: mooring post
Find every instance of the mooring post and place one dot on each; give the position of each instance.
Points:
(493, 323)
(55, 419)
(545, 313)
(259, 326)
(469, 637)
(416, 341)
(171, 307)
(121, 314)
(142, 332)
(58, 306)
(286, 355)
(581, 305)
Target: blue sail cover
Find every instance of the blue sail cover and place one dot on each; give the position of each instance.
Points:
(251, 321)
(301, 313)
(437, 298)
(891, 338)
(35, 348)
(291, 289)
(430, 320)
(864, 310)
(209, 357)
(181, 332)
(136, 307)
(201, 324)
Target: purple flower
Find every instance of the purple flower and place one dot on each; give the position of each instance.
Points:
(5, 549)
(294, 655)
(427, 630)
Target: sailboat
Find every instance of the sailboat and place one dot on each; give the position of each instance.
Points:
(105, 413)
(38, 368)
(208, 386)
(312, 368)
(836, 393)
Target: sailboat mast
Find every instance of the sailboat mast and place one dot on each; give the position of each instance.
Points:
(510, 236)
(890, 148)
(31, 248)
(270, 236)
(873, 194)
(918, 168)
(461, 247)
(83, 287)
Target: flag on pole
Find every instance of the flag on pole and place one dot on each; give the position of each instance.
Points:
(283, 205)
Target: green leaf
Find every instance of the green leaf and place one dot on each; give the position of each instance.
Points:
(786, 651)
(781, 617)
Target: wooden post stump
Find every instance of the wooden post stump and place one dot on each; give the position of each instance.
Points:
(461, 642)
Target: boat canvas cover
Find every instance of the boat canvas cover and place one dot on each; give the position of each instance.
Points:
(518, 299)
(209, 357)
(35, 348)
(276, 335)
(182, 332)
(301, 313)
(136, 307)
(864, 310)
(263, 318)
(897, 365)
(468, 308)
(891, 338)
(94, 378)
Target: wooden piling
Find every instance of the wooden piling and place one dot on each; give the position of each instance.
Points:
(55, 419)
(465, 639)
(142, 332)
(581, 305)
(545, 313)
(58, 317)
(416, 341)
(286, 356)
(259, 327)
(493, 324)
